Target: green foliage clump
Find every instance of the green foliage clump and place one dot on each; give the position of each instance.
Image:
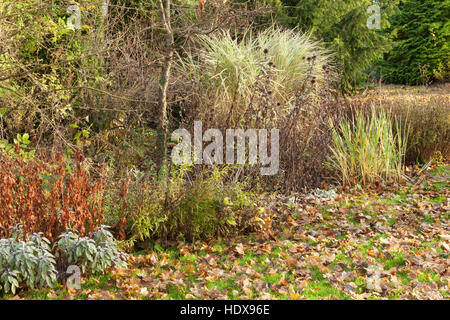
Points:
(368, 150)
(94, 254)
(202, 209)
(30, 261)
(20, 147)
(44, 62)
(422, 43)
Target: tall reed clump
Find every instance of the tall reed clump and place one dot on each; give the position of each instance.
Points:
(227, 67)
(426, 111)
(367, 149)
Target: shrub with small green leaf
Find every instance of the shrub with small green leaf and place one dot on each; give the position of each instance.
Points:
(368, 148)
(30, 261)
(205, 207)
(94, 254)
(21, 144)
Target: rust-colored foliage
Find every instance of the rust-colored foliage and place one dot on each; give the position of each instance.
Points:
(122, 221)
(43, 196)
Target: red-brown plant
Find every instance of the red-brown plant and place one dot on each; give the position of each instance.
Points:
(45, 196)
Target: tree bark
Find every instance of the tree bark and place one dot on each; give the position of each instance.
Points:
(164, 12)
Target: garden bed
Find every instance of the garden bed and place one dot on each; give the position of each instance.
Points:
(390, 243)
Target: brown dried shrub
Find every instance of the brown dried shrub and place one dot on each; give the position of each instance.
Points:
(43, 195)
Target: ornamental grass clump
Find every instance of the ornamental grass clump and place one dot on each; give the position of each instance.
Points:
(368, 148)
(227, 67)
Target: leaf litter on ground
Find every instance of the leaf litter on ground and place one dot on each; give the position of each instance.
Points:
(388, 243)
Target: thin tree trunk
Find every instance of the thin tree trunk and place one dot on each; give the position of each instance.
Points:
(164, 11)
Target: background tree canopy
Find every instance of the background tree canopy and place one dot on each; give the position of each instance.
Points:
(421, 31)
(342, 25)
